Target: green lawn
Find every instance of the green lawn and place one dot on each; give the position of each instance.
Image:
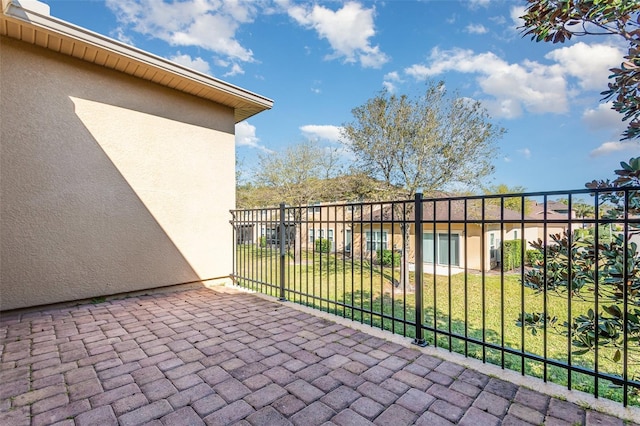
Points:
(482, 307)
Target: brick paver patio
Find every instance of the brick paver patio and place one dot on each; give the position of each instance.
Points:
(219, 356)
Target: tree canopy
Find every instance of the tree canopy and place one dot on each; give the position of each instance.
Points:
(425, 143)
(295, 175)
(512, 203)
(558, 20)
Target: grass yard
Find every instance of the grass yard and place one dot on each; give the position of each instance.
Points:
(482, 307)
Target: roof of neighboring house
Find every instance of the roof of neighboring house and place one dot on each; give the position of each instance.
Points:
(446, 210)
(29, 21)
(553, 209)
(555, 206)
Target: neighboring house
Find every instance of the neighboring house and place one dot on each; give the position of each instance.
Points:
(117, 167)
(328, 221)
(304, 226)
(453, 236)
(557, 218)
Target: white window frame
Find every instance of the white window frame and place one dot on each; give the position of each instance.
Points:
(320, 233)
(380, 240)
(437, 255)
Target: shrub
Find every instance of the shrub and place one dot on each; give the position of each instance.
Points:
(511, 256)
(388, 257)
(614, 260)
(532, 257)
(263, 241)
(323, 245)
(583, 233)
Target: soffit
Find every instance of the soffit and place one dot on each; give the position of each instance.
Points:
(67, 39)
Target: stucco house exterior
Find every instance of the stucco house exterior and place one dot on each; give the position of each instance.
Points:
(332, 222)
(117, 167)
(455, 234)
(304, 226)
(557, 216)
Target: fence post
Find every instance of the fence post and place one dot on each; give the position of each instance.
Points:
(234, 246)
(283, 252)
(417, 261)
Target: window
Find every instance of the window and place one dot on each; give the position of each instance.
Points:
(347, 240)
(493, 247)
(320, 233)
(314, 208)
(445, 251)
(376, 240)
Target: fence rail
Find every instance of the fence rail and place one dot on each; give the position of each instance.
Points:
(545, 287)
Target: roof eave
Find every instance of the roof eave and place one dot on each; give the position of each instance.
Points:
(35, 26)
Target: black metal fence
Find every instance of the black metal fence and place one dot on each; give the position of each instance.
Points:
(547, 284)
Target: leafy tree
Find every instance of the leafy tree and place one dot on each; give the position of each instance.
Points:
(511, 203)
(249, 196)
(553, 275)
(353, 186)
(295, 174)
(426, 143)
(583, 210)
(559, 20)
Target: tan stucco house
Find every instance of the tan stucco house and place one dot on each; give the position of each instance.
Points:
(117, 167)
(556, 214)
(455, 234)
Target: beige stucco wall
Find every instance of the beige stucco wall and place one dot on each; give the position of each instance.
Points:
(108, 183)
(470, 241)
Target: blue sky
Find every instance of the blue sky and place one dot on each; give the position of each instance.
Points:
(319, 60)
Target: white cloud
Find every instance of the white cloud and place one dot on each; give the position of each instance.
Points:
(513, 87)
(347, 30)
(210, 25)
(589, 63)
(525, 152)
(476, 29)
(246, 136)
(478, 3)
(315, 87)
(392, 76)
(611, 147)
(197, 64)
(119, 34)
(235, 70)
(325, 132)
(528, 85)
(500, 20)
(390, 80)
(516, 12)
(604, 118)
(389, 86)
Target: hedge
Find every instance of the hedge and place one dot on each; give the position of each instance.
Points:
(512, 256)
